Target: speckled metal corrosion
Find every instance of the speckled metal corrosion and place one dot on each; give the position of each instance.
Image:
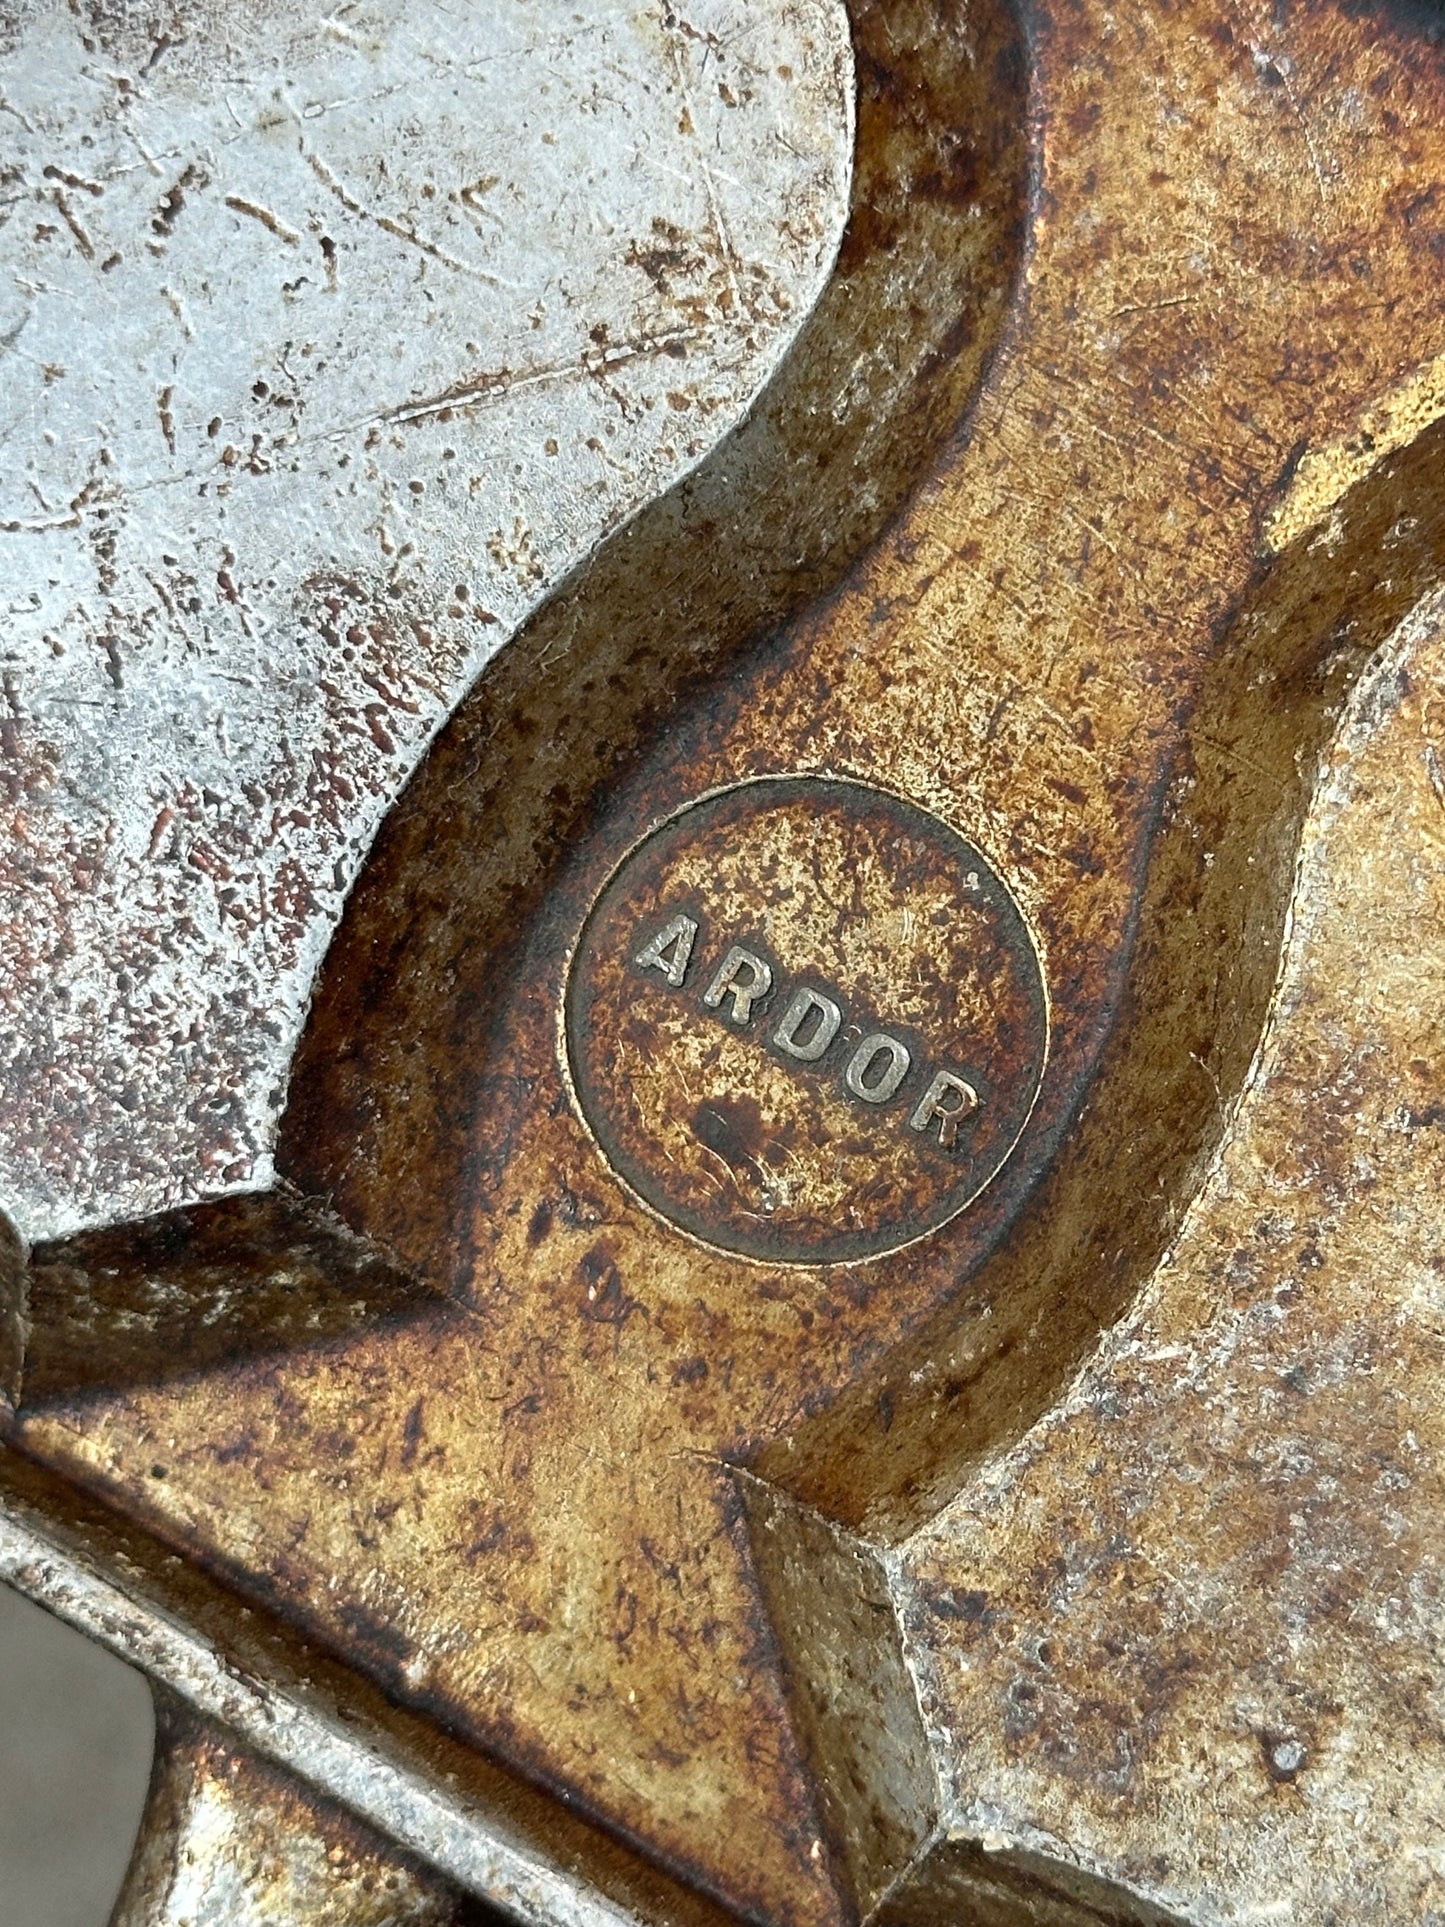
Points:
(232, 1842)
(806, 1021)
(330, 343)
(1122, 394)
(1189, 1632)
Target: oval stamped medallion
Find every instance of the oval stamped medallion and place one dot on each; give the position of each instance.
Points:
(806, 1021)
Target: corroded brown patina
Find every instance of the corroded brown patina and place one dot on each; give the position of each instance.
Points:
(622, 1511)
(806, 1021)
(1188, 1632)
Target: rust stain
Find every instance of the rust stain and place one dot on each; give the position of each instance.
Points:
(806, 1021)
(521, 1512)
(1223, 1548)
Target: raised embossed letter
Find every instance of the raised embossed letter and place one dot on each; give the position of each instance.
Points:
(949, 1116)
(744, 978)
(819, 1015)
(676, 938)
(875, 1051)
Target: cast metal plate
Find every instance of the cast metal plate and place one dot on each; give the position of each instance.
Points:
(806, 1021)
(772, 1255)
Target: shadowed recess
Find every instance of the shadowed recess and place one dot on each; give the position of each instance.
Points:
(189, 1291)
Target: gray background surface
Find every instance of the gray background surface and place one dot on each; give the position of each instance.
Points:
(75, 1749)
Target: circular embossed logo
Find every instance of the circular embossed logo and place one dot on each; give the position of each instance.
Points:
(805, 1021)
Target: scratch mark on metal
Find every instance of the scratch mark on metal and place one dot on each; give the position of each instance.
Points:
(273, 222)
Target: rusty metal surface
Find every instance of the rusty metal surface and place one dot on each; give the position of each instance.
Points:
(805, 1021)
(813, 1537)
(317, 1719)
(230, 1841)
(331, 340)
(1188, 1633)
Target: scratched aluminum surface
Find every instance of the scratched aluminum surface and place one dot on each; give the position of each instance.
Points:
(331, 340)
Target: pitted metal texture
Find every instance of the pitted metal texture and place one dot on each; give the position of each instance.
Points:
(331, 339)
(806, 1021)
